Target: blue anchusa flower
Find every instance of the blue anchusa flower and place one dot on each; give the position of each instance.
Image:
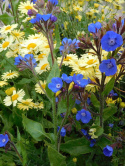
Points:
(107, 151)
(69, 45)
(93, 28)
(54, 2)
(84, 132)
(84, 116)
(88, 101)
(123, 22)
(111, 125)
(77, 101)
(44, 17)
(78, 80)
(29, 58)
(62, 132)
(3, 140)
(9, 6)
(67, 79)
(108, 66)
(56, 84)
(18, 60)
(92, 142)
(34, 1)
(111, 40)
(112, 93)
(53, 18)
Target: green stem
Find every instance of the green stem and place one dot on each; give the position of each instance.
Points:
(64, 119)
(55, 121)
(16, 151)
(10, 1)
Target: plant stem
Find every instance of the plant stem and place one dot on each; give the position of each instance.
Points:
(55, 121)
(64, 119)
(59, 143)
(12, 10)
(16, 151)
(51, 48)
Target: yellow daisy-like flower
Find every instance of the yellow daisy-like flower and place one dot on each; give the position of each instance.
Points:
(40, 56)
(110, 101)
(77, 8)
(42, 66)
(9, 75)
(16, 96)
(38, 105)
(79, 17)
(38, 88)
(6, 43)
(25, 6)
(2, 83)
(66, 61)
(17, 34)
(25, 104)
(8, 28)
(9, 91)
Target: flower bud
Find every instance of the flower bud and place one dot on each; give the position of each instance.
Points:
(74, 159)
(40, 3)
(53, 18)
(31, 12)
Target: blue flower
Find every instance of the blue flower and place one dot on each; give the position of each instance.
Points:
(66, 78)
(9, 6)
(62, 132)
(122, 22)
(92, 142)
(108, 66)
(111, 93)
(84, 116)
(88, 101)
(77, 101)
(3, 140)
(28, 58)
(94, 27)
(44, 17)
(34, 1)
(18, 60)
(56, 84)
(84, 131)
(33, 20)
(75, 43)
(111, 40)
(111, 125)
(54, 2)
(53, 18)
(78, 80)
(107, 151)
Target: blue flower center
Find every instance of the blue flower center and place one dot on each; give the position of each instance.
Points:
(83, 114)
(78, 81)
(3, 140)
(58, 85)
(111, 41)
(109, 65)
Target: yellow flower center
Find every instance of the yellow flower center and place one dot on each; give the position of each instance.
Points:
(82, 68)
(47, 46)
(31, 45)
(67, 58)
(43, 85)
(16, 33)
(9, 74)
(14, 97)
(8, 27)
(36, 37)
(5, 44)
(26, 103)
(44, 66)
(91, 61)
(41, 55)
(28, 7)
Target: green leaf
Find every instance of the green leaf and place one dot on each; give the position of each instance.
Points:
(15, 4)
(99, 131)
(6, 19)
(47, 124)
(109, 86)
(24, 81)
(103, 142)
(35, 129)
(76, 147)
(57, 36)
(108, 112)
(95, 101)
(55, 158)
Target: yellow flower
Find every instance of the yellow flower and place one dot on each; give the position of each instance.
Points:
(16, 96)
(9, 91)
(119, 100)
(74, 159)
(25, 104)
(74, 110)
(25, 6)
(38, 88)
(79, 17)
(42, 66)
(2, 83)
(6, 43)
(17, 34)
(103, 17)
(96, 5)
(122, 104)
(66, 24)
(110, 101)
(38, 105)
(77, 8)
(57, 93)
(8, 28)
(9, 75)
(70, 86)
(91, 132)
